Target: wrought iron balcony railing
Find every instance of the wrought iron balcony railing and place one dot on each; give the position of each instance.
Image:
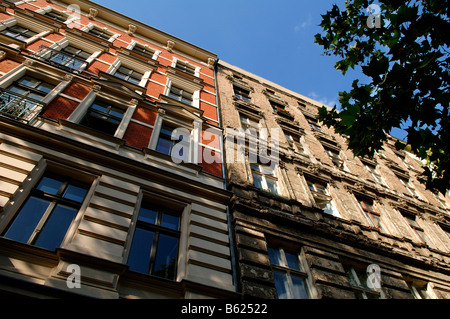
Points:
(18, 106)
(60, 59)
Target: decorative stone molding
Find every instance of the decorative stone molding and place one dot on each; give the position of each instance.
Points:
(170, 45)
(68, 77)
(211, 62)
(131, 29)
(96, 88)
(92, 13)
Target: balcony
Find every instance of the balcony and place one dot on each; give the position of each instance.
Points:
(60, 59)
(19, 107)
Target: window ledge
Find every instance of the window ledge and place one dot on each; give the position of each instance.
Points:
(90, 134)
(152, 153)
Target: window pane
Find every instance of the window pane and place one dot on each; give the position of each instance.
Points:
(114, 111)
(170, 221)
(281, 283)
(292, 261)
(257, 180)
(75, 193)
(56, 227)
(164, 146)
(166, 257)
(148, 215)
(139, 258)
(272, 186)
(27, 219)
(275, 257)
(300, 290)
(49, 185)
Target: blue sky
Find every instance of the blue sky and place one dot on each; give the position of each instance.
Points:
(272, 39)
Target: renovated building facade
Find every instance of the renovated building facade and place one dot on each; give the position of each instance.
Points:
(111, 174)
(311, 220)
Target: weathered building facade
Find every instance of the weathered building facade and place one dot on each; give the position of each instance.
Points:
(319, 222)
(96, 199)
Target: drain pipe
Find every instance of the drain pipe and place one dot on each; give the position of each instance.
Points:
(230, 226)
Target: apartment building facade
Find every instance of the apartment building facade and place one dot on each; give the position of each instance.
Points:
(96, 197)
(311, 220)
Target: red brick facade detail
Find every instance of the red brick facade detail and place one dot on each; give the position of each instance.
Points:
(77, 90)
(215, 167)
(138, 135)
(60, 108)
(7, 65)
(145, 115)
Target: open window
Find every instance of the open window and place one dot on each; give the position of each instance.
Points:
(322, 197)
(103, 117)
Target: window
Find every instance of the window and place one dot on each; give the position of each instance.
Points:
(185, 67)
(241, 93)
(46, 215)
(277, 106)
(128, 75)
(31, 87)
(264, 178)
(143, 50)
(99, 33)
(103, 117)
(370, 213)
(154, 248)
(70, 57)
(23, 96)
(250, 125)
(290, 278)
(358, 280)
(181, 95)
(19, 33)
(442, 199)
(313, 123)
(419, 288)
(411, 219)
(410, 188)
(166, 144)
(376, 176)
(322, 198)
(58, 16)
(335, 157)
(294, 142)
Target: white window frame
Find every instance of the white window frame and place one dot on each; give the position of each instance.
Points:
(90, 26)
(133, 44)
(264, 175)
(359, 287)
(196, 68)
(129, 108)
(376, 176)
(287, 270)
(324, 196)
(186, 85)
(410, 188)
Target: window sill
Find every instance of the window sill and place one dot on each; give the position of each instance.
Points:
(149, 153)
(90, 134)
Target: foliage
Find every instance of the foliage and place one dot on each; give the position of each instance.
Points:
(283, 111)
(407, 60)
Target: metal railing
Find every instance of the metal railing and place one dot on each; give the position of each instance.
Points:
(19, 107)
(60, 59)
